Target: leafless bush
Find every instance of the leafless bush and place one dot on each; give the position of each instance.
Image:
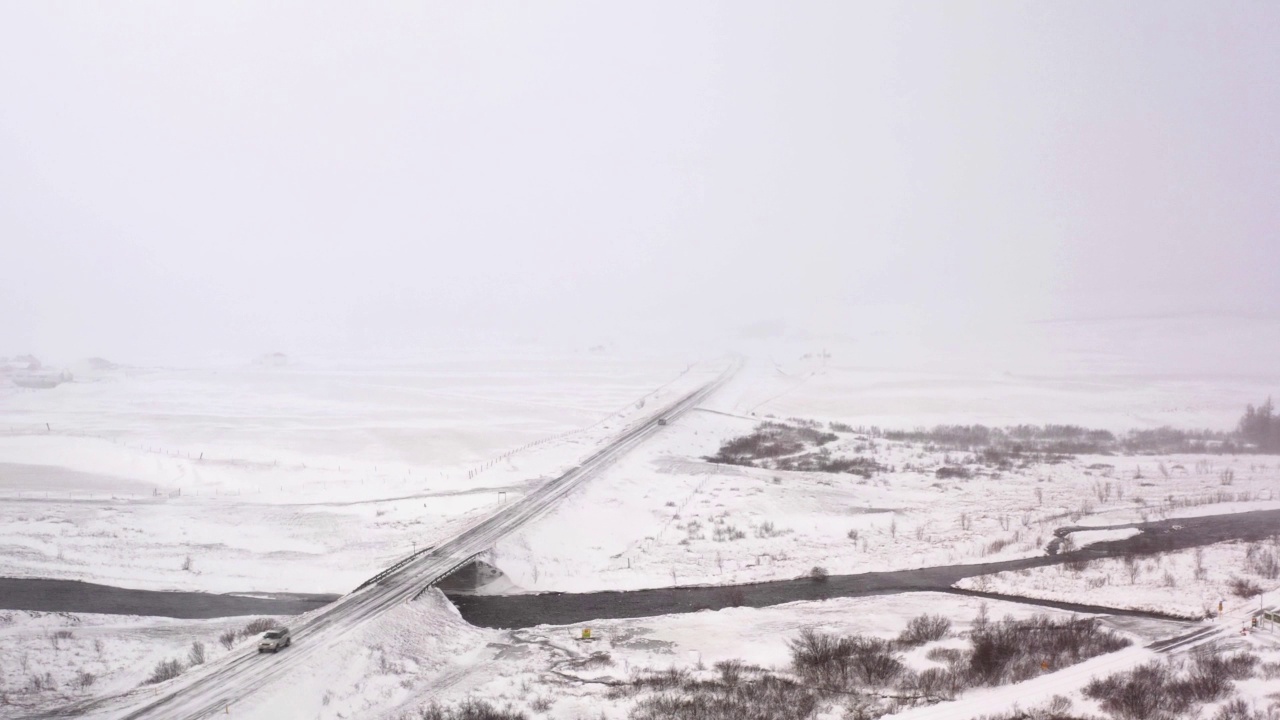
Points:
(471, 709)
(257, 626)
(1262, 561)
(1155, 690)
(924, 628)
(165, 670)
(541, 704)
(853, 535)
(1227, 477)
(195, 656)
(227, 638)
(40, 683)
(1132, 568)
(730, 671)
(953, 471)
(186, 564)
(769, 440)
(1240, 587)
(1058, 708)
(1238, 709)
(1014, 650)
(726, 533)
(934, 684)
(768, 530)
(767, 697)
(836, 662)
(997, 545)
(818, 574)
(946, 655)
(85, 679)
(57, 636)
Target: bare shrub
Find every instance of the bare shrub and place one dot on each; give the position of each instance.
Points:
(1240, 587)
(165, 670)
(818, 574)
(953, 471)
(852, 535)
(769, 440)
(841, 662)
(764, 698)
(57, 636)
(187, 564)
(946, 655)
(1238, 709)
(227, 638)
(726, 533)
(1132, 568)
(195, 656)
(1227, 477)
(934, 684)
(924, 628)
(768, 530)
(1014, 650)
(996, 546)
(260, 625)
(1155, 690)
(730, 671)
(470, 709)
(85, 679)
(40, 683)
(541, 704)
(1262, 561)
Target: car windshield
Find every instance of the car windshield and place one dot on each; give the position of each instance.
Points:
(273, 635)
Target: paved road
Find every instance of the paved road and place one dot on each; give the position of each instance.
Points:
(81, 597)
(519, 611)
(211, 688)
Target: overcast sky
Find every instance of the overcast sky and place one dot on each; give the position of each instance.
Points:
(244, 177)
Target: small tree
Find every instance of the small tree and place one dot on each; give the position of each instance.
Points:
(195, 656)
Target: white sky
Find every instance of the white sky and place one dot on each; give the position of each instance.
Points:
(242, 177)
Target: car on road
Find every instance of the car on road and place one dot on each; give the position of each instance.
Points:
(273, 640)
(662, 421)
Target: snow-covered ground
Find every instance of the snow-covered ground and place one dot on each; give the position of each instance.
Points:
(298, 478)
(423, 653)
(308, 476)
(1187, 583)
(664, 516)
(57, 658)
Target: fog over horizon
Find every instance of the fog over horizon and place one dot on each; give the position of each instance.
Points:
(227, 179)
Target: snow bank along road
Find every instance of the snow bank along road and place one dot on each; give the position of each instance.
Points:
(213, 687)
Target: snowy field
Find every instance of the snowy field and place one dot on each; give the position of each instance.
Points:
(422, 653)
(310, 476)
(302, 478)
(59, 658)
(1188, 583)
(664, 516)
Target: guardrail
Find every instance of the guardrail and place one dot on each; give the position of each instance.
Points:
(394, 567)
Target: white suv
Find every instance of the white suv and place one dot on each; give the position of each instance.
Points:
(273, 640)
